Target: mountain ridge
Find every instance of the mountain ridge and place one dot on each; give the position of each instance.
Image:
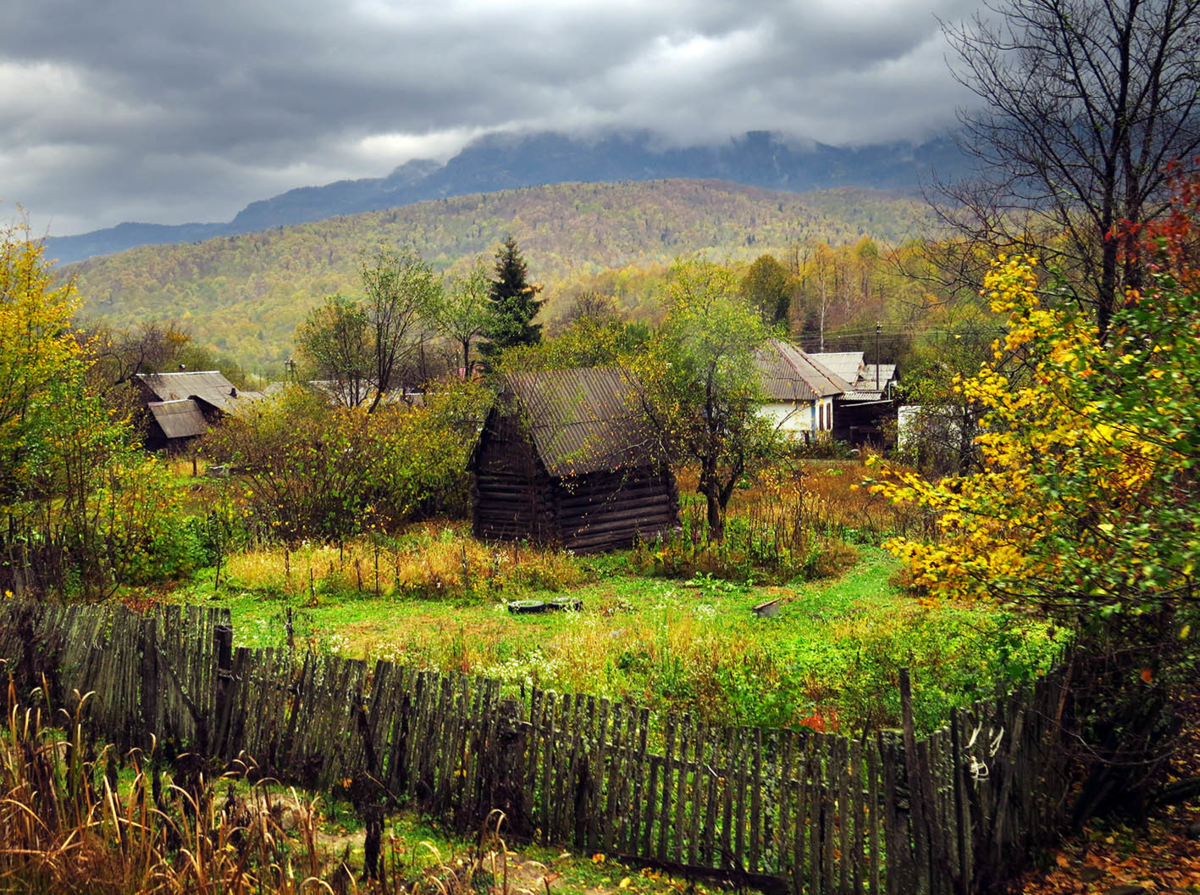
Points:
(497, 162)
(244, 294)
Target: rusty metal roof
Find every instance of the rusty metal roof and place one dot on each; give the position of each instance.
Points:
(178, 419)
(582, 420)
(788, 374)
(209, 386)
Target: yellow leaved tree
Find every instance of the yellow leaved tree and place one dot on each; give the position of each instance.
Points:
(1086, 508)
(1057, 517)
(83, 509)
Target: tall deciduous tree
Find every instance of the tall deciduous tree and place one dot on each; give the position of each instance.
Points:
(768, 287)
(41, 363)
(514, 302)
(1084, 102)
(699, 385)
(401, 291)
(464, 314)
(83, 508)
(335, 343)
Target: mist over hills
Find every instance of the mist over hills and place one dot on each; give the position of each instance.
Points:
(244, 294)
(506, 161)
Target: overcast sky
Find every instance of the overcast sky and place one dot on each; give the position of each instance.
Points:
(168, 111)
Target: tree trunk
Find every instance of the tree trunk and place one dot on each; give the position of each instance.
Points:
(716, 519)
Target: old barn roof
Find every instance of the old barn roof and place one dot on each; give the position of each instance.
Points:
(178, 419)
(788, 374)
(209, 386)
(581, 421)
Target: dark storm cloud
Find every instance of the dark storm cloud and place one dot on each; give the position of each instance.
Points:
(166, 111)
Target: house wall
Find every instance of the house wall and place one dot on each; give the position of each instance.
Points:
(859, 423)
(800, 418)
(513, 495)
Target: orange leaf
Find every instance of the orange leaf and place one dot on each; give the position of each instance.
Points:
(1147, 675)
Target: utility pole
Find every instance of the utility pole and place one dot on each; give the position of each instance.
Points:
(878, 327)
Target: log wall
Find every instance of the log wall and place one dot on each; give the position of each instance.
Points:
(515, 497)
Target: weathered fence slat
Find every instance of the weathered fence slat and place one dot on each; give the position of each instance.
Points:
(943, 813)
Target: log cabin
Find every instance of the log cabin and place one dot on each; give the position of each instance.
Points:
(563, 458)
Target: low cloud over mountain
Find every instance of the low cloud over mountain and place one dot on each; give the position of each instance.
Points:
(166, 112)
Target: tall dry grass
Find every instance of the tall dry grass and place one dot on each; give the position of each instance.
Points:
(432, 560)
(827, 496)
(71, 821)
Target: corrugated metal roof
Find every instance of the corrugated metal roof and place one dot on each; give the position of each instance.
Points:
(788, 374)
(843, 364)
(866, 378)
(582, 420)
(209, 386)
(178, 419)
(859, 395)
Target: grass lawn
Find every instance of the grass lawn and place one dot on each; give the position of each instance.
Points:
(829, 659)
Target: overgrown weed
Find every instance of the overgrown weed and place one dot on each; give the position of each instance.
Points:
(431, 560)
(70, 821)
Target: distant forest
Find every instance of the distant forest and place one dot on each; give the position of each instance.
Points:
(244, 295)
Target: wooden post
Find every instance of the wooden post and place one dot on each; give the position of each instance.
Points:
(898, 844)
(932, 848)
(224, 686)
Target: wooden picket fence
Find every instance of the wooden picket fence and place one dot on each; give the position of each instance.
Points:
(954, 812)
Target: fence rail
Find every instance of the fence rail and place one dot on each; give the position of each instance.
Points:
(953, 812)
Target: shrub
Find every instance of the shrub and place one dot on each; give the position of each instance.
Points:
(312, 470)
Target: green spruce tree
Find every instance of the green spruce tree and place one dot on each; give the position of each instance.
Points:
(514, 303)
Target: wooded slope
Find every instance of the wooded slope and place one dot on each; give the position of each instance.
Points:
(245, 294)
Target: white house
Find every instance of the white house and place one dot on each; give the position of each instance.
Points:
(801, 390)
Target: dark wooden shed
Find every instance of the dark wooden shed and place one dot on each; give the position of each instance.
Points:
(563, 459)
(177, 407)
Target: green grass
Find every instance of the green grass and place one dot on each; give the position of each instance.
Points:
(425, 846)
(830, 659)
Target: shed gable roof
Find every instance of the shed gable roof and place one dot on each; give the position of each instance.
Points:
(582, 420)
(867, 379)
(788, 374)
(846, 365)
(178, 419)
(209, 386)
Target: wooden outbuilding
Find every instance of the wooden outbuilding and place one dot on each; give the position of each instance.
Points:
(563, 458)
(177, 407)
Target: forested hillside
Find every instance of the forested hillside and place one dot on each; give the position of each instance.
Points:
(515, 161)
(245, 294)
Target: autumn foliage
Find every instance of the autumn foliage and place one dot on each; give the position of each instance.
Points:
(1086, 502)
